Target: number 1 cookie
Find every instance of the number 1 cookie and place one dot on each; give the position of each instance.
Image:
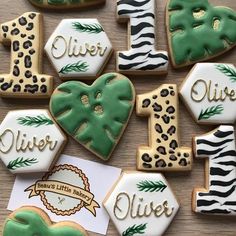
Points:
(142, 56)
(219, 195)
(33, 221)
(164, 152)
(25, 78)
(198, 31)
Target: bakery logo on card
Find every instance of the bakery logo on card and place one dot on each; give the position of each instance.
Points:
(64, 191)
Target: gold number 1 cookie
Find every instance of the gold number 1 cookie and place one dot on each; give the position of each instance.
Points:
(164, 152)
(25, 78)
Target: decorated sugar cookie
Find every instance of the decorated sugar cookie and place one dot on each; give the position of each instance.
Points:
(198, 31)
(29, 221)
(25, 79)
(141, 204)
(209, 92)
(164, 152)
(142, 56)
(79, 48)
(30, 141)
(65, 4)
(95, 115)
(219, 195)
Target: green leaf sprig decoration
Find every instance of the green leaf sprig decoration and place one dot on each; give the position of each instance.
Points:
(35, 120)
(228, 71)
(139, 229)
(89, 28)
(76, 67)
(21, 162)
(151, 186)
(211, 111)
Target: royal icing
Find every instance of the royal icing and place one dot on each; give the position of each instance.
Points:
(25, 78)
(164, 152)
(209, 92)
(65, 191)
(29, 141)
(29, 221)
(95, 115)
(65, 4)
(79, 48)
(139, 202)
(219, 195)
(142, 56)
(198, 31)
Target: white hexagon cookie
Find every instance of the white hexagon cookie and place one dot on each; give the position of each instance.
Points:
(79, 48)
(141, 204)
(209, 91)
(29, 141)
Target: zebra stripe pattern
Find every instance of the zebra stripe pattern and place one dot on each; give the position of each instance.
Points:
(219, 146)
(142, 55)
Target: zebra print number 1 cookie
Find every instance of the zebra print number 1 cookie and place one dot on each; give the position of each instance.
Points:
(219, 196)
(142, 56)
(164, 152)
(25, 78)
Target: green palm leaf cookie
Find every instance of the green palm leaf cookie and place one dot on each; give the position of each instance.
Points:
(95, 115)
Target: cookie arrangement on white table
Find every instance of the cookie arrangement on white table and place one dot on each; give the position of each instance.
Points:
(96, 115)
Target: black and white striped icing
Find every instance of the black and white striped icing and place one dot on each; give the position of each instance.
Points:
(219, 146)
(142, 55)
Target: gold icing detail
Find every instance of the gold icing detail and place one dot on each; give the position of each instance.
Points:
(216, 24)
(199, 14)
(136, 207)
(98, 109)
(212, 92)
(20, 142)
(85, 99)
(72, 48)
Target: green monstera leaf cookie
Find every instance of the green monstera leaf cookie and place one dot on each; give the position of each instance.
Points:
(95, 115)
(64, 4)
(32, 221)
(198, 31)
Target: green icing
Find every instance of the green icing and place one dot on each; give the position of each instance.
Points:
(94, 115)
(29, 223)
(58, 3)
(199, 30)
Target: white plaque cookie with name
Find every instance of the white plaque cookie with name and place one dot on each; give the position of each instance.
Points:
(209, 92)
(141, 204)
(79, 48)
(30, 141)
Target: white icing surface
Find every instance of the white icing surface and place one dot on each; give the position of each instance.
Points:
(197, 84)
(142, 55)
(67, 39)
(127, 186)
(219, 147)
(15, 138)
